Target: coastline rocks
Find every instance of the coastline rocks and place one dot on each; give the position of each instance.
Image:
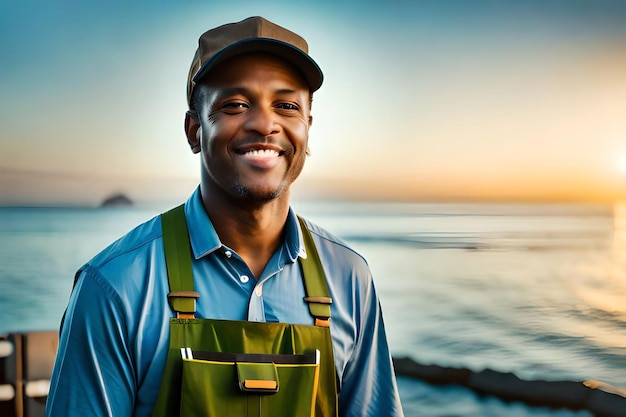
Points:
(432, 373)
(605, 404)
(116, 200)
(599, 398)
(509, 387)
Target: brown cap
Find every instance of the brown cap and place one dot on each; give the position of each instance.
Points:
(254, 34)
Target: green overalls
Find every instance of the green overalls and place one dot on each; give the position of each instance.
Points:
(239, 368)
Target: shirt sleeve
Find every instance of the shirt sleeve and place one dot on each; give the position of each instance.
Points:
(369, 387)
(93, 373)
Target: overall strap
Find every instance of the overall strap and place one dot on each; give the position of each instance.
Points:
(314, 280)
(182, 297)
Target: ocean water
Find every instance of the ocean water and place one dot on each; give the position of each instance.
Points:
(538, 290)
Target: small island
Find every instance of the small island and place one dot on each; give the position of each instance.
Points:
(116, 200)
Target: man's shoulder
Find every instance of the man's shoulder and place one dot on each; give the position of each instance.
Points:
(332, 246)
(141, 238)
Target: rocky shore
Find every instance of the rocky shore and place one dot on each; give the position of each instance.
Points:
(600, 399)
(116, 200)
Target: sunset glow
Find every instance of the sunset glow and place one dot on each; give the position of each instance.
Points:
(421, 101)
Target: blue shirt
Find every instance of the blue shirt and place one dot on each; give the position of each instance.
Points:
(115, 336)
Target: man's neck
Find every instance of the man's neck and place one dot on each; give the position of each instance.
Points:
(253, 231)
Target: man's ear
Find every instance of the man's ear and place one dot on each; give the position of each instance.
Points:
(310, 120)
(192, 130)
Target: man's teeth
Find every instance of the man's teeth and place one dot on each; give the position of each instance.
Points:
(262, 152)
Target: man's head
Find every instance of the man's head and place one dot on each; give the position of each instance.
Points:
(249, 90)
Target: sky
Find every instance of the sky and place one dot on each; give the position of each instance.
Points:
(422, 100)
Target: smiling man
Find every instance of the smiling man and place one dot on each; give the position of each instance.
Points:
(231, 304)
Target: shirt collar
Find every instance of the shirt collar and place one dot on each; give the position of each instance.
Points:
(202, 234)
(293, 237)
(204, 238)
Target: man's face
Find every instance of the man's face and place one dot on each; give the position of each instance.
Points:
(255, 118)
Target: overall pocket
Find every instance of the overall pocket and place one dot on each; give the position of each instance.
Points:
(232, 384)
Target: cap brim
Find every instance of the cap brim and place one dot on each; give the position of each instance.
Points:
(304, 63)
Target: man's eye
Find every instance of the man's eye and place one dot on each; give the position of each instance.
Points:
(288, 106)
(233, 107)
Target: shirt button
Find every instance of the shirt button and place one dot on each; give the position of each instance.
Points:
(259, 291)
(244, 278)
(228, 254)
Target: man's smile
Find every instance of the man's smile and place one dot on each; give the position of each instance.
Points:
(263, 156)
(263, 153)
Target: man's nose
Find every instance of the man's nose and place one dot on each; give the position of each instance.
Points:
(262, 120)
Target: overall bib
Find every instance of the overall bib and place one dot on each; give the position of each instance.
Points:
(239, 368)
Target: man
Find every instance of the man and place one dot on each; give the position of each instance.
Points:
(249, 91)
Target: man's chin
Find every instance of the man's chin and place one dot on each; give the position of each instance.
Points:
(259, 195)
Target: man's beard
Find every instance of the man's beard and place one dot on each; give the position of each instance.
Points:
(251, 196)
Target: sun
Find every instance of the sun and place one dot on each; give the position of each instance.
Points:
(621, 164)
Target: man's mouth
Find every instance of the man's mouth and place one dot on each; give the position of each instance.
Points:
(263, 157)
(262, 153)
